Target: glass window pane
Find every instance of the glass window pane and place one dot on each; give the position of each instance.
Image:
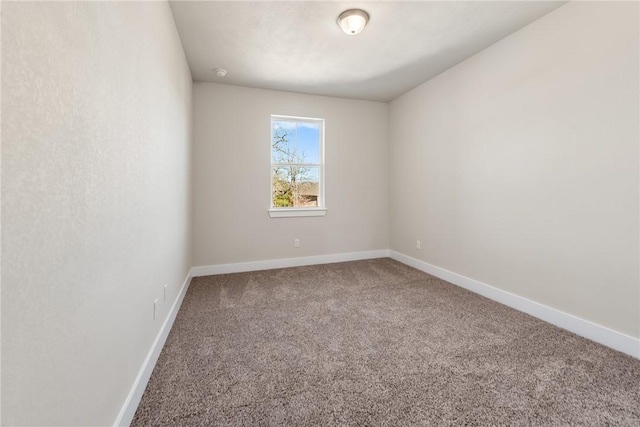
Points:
(309, 142)
(295, 186)
(306, 191)
(281, 188)
(283, 142)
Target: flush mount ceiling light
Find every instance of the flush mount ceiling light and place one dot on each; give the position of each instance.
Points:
(353, 21)
(220, 72)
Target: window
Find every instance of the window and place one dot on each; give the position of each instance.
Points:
(297, 166)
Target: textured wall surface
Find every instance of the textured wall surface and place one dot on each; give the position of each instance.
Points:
(232, 176)
(96, 215)
(519, 166)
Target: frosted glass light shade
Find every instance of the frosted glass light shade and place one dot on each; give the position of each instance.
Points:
(353, 21)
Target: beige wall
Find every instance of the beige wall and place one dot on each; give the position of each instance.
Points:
(232, 176)
(96, 101)
(519, 167)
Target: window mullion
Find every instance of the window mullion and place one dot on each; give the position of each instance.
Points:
(301, 165)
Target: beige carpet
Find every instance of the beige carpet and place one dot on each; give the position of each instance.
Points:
(375, 343)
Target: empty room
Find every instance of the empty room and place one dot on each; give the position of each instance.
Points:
(234, 213)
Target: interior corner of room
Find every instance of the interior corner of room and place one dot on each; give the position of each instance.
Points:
(127, 170)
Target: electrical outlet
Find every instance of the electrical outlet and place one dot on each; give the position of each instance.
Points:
(296, 243)
(155, 308)
(165, 292)
(418, 246)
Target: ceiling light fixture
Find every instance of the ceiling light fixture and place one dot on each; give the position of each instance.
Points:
(353, 21)
(220, 72)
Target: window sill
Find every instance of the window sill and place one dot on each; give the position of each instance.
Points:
(285, 213)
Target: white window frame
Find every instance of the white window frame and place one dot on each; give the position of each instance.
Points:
(321, 209)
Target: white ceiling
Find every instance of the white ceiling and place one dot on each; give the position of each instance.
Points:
(297, 46)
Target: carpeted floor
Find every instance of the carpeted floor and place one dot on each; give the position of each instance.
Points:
(375, 343)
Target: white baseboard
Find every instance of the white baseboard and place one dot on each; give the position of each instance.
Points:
(140, 384)
(240, 267)
(600, 334)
